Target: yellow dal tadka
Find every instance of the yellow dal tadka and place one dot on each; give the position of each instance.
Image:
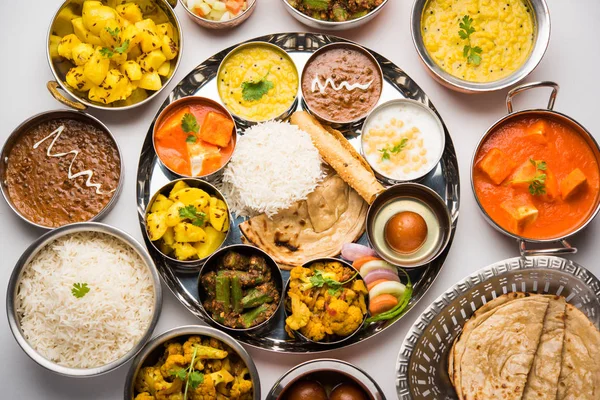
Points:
(253, 64)
(504, 30)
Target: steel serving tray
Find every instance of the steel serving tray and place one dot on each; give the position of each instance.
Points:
(444, 179)
(423, 359)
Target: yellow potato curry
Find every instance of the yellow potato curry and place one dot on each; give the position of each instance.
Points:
(325, 302)
(201, 368)
(478, 41)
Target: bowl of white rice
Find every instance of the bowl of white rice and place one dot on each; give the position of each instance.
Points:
(83, 299)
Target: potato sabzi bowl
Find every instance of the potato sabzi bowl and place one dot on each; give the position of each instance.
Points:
(150, 356)
(62, 24)
(522, 182)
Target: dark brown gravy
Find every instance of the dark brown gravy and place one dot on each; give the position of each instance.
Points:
(39, 185)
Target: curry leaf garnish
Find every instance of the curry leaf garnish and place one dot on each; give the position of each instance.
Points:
(254, 90)
(189, 123)
(385, 152)
(190, 212)
(80, 289)
(472, 54)
(537, 185)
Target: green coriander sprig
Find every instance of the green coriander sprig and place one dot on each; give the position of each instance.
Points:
(385, 152)
(472, 54)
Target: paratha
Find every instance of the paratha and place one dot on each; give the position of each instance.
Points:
(499, 352)
(332, 215)
(580, 372)
(542, 383)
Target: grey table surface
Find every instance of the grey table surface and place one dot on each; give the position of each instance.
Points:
(572, 60)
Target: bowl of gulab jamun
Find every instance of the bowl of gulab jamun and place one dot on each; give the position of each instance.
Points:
(325, 379)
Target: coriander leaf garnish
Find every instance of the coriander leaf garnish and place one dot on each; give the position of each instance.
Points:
(192, 378)
(106, 52)
(123, 47)
(319, 279)
(472, 54)
(256, 89)
(537, 185)
(190, 212)
(80, 289)
(190, 139)
(196, 379)
(113, 32)
(385, 152)
(180, 373)
(189, 123)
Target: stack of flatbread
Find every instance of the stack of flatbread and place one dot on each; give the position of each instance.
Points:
(527, 346)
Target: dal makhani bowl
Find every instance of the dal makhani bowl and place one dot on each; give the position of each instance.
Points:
(83, 299)
(535, 174)
(474, 47)
(257, 82)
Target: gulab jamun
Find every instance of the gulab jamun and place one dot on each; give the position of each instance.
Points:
(406, 232)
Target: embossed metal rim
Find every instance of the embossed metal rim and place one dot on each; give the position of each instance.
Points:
(466, 285)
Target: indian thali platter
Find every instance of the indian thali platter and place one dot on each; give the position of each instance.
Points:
(297, 191)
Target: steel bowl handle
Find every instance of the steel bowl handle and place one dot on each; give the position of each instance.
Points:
(566, 249)
(53, 89)
(532, 85)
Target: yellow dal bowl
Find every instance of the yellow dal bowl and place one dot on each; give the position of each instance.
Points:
(252, 62)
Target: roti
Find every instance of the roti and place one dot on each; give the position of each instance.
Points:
(580, 373)
(542, 382)
(499, 352)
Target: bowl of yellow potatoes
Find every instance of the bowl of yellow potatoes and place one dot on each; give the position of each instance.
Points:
(187, 220)
(113, 54)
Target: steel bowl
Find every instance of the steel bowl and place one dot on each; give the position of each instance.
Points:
(151, 351)
(423, 195)
(192, 100)
(243, 122)
(393, 103)
(247, 250)
(335, 340)
(36, 120)
(565, 247)
(421, 369)
(332, 25)
(191, 266)
(342, 370)
(232, 23)
(344, 45)
(27, 257)
(60, 66)
(541, 16)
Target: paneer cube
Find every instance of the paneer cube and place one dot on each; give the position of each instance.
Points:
(216, 129)
(538, 131)
(572, 184)
(496, 165)
(521, 214)
(528, 171)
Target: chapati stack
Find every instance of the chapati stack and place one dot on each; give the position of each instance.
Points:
(527, 346)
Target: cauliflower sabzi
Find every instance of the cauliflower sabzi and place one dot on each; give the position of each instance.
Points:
(201, 368)
(325, 301)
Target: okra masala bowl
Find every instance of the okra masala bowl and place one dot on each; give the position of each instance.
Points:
(535, 173)
(192, 362)
(240, 288)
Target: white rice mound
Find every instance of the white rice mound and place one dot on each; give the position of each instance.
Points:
(99, 327)
(274, 165)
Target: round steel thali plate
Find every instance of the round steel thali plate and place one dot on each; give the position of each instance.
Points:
(423, 359)
(444, 179)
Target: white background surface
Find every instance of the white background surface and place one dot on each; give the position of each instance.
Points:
(572, 60)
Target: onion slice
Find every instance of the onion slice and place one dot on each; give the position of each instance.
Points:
(381, 274)
(353, 251)
(393, 288)
(376, 264)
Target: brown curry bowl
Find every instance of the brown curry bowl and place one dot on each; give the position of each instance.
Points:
(335, 339)
(189, 100)
(329, 373)
(547, 113)
(191, 266)
(339, 45)
(246, 250)
(49, 116)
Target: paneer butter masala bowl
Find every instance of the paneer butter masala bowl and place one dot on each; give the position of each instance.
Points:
(536, 176)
